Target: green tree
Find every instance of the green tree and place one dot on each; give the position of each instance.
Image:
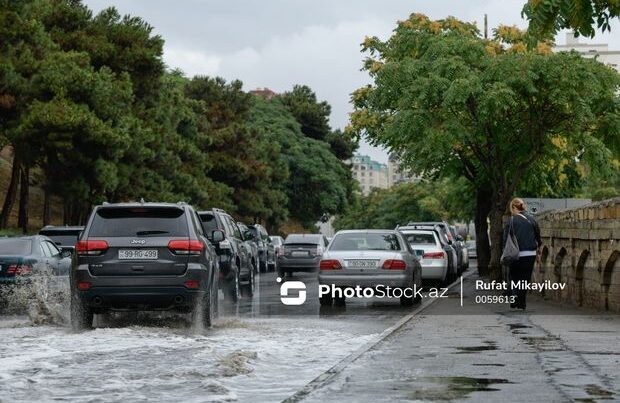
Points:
(547, 17)
(316, 184)
(448, 101)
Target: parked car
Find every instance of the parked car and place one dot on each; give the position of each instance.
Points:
(65, 237)
(237, 267)
(452, 241)
(370, 258)
(446, 245)
(471, 249)
(302, 252)
(141, 257)
(460, 242)
(266, 250)
(432, 254)
(21, 258)
(278, 244)
(248, 238)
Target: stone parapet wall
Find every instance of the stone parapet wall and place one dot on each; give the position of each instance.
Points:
(581, 249)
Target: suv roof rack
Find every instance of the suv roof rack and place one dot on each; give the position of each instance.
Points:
(218, 210)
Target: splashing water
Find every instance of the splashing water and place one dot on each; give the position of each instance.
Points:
(44, 297)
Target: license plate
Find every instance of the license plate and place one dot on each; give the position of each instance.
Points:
(362, 264)
(300, 253)
(137, 254)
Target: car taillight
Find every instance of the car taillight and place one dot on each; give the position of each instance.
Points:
(19, 269)
(434, 255)
(91, 247)
(186, 246)
(84, 285)
(329, 264)
(394, 265)
(192, 284)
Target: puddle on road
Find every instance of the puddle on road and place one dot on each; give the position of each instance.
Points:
(456, 387)
(597, 392)
(489, 345)
(489, 365)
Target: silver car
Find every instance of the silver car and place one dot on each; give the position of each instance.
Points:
(369, 259)
(433, 257)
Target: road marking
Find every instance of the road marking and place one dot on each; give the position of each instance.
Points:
(327, 376)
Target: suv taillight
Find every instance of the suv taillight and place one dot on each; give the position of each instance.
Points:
(91, 247)
(394, 265)
(186, 246)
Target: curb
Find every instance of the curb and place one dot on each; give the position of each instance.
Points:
(331, 373)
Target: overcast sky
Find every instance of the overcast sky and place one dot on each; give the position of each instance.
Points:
(280, 43)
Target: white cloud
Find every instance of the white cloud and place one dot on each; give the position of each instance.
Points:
(192, 62)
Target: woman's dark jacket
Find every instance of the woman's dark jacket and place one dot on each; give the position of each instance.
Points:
(526, 230)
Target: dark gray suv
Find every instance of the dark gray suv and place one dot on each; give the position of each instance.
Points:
(144, 256)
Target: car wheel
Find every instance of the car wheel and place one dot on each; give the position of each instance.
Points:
(81, 316)
(232, 289)
(325, 300)
(248, 289)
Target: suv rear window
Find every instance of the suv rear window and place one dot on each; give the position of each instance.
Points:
(421, 238)
(19, 247)
(62, 237)
(139, 221)
(303, 239)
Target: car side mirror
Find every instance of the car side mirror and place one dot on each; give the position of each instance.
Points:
(65, 253)
(248, 236)
(217, 236)
(459, 238)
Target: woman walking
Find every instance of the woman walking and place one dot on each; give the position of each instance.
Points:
(527, 233)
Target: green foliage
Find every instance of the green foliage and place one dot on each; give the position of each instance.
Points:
(86, 101)
(448, 102)
(422, 201)
(547, 17)
(316, 183)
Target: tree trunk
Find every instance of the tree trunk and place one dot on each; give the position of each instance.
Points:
(483, 250)
(11, 195)
(22, 220)
(498, 213)
(46, 205)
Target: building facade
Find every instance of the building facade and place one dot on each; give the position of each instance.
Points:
(599, 50)
(396, 174)
(369, 174)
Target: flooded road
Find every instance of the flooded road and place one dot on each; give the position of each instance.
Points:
(259, 350)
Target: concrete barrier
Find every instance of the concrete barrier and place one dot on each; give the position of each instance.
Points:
(581, 249)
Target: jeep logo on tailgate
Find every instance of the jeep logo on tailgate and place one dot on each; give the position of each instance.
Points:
(138, 241)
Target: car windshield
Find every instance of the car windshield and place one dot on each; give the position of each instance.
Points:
(365, 241)
(138, 221)
(421, 238)
(17, 247)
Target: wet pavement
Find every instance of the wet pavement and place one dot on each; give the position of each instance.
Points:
(259, 350)
(264, 351)
(487, 352)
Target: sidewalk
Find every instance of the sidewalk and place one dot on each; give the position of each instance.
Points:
(488, 353)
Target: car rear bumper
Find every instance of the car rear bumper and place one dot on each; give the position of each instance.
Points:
(401, 279)
(141, 298)
(135, 293)
(299, 264)
(434, 271)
